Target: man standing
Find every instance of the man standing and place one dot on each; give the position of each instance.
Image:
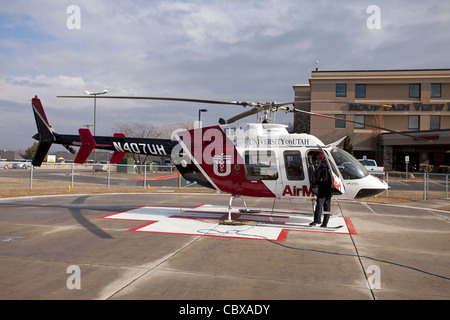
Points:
(323, 178)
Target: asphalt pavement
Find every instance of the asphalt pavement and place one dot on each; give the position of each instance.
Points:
(138, 246)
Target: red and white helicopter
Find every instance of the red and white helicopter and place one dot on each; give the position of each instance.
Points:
(243, 159)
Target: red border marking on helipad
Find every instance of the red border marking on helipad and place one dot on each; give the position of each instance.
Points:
(207, 214)
(351, 228)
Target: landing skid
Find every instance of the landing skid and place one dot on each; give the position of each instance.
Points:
(230, 220)
(250, 211)
(318, 227)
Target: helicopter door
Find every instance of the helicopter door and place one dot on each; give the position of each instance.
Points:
(263, 165)
(312, 164)
(337, 187)
(293, 179)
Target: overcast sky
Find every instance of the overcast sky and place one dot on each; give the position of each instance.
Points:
(224, 50)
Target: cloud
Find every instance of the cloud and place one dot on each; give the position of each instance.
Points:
(229, 50)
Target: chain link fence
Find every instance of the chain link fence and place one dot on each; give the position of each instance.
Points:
(417, 185)
(84, 176)
(428, 185)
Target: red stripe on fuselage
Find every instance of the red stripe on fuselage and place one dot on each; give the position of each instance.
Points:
(221, 162)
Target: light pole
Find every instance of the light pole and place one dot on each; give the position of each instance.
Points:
(95, 94)
(200, 115)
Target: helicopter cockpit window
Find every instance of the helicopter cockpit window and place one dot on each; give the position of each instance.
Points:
(294, 166)
(349, 167)
(261, 165)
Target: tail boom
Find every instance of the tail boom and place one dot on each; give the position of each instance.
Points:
(118, 143)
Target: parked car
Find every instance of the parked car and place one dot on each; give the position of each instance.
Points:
(22, 164)
(165, 165)
(101, 166)
(372, 168)
(5, 164)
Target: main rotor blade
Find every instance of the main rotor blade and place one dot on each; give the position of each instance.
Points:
(242, 115)
(330, 101)
(255, 109)
(347, 120)
(240, 103)
(357, 122)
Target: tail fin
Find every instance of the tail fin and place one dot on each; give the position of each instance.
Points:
(87, 145)
(117, 156)
(45, 135)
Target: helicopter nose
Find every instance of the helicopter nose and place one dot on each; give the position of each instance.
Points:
(373, 187)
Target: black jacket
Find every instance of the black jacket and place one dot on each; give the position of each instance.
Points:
(323, 178)
(322, 173)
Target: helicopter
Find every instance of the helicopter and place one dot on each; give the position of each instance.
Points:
(259, 159)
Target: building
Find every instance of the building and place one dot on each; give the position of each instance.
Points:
(416, 102)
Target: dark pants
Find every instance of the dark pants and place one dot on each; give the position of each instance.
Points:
(323, 201)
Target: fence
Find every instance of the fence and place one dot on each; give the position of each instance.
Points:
(427, 185)
(414, 186)
(72, 176)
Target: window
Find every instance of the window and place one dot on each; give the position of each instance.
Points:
(341, 90)
(368, 163)
(349, 167)
(260, 165)
(435, 122)
(338, 123)
(293, 164)
(414, 90)
(436, 90)
(413, 122)
(360, 90)
(360, 118)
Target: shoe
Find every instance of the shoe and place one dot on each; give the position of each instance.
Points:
(326, 218)
(312, 224)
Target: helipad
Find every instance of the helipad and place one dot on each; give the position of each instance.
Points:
(251, 223)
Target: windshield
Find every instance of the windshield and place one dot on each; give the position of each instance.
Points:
(349, 167)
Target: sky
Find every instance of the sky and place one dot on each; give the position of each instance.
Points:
(222, 50)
